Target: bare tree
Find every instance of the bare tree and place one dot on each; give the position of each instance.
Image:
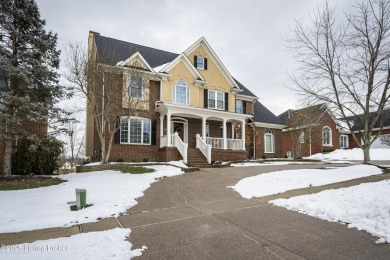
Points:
(301, 126)
(347, 65)
(114, 93)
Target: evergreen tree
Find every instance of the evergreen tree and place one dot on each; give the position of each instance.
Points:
(29, 85)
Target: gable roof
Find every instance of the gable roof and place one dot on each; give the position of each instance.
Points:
(357, 121)
(245, 91)
(206, 46)
(263, 115)
(121, 51)
(310, 115)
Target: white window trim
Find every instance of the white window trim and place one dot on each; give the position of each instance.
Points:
(330, 136)
(187, 98)
(128, 86)
(142, 131)
(216, 100)
(272, 142)
(346, 141)
(197, 63)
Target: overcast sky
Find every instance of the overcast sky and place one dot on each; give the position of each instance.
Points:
(247, 35)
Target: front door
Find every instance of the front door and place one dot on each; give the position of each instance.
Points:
(179, 128)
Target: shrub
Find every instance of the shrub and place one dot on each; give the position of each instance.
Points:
(36, 157)
(264, 156)
(145, 159)
(120, 160)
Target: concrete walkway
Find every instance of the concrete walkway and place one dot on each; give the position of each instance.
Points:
(194, 216)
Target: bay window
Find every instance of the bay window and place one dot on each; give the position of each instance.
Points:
(135, 131)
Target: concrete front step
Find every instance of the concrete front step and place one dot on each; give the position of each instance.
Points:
(197, 159)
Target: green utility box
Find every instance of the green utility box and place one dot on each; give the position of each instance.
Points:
(81, 198)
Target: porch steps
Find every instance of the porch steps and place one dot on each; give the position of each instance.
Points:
(196, 158)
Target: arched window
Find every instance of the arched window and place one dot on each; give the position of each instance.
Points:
(269, 145)
(181, 93)
(326, 136)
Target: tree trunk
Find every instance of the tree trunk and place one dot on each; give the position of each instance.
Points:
(7, 171)
(109, 148)
(366, 153)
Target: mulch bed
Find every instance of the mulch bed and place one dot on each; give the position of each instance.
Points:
(27, 182)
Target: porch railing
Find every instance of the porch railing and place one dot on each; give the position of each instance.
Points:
(216, 143)
(181, 146)
(235, 144)
(203, 147)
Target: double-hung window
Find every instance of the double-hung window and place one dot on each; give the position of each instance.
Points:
(200, 62)
(136, 87)
(181, 93)
(239, 106)
(344, 141)
(216, 100)
(135, 131)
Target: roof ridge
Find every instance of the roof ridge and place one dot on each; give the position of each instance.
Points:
(135, 44)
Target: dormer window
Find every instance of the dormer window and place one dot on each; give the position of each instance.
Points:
(200, 62)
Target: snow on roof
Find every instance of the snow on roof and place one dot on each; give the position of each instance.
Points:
(158, 68)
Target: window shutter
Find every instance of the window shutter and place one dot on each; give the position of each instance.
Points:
(244, 107)
(154, 133)
(117, 135)
(226, 101)
(196, 61)
(188, 96)
(205, 63)
(206, 97)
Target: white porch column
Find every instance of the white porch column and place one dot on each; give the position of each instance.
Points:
(233, 126)
(224, 134)
(204, 128)
(243, 134)
(161, 125)
(169, 142)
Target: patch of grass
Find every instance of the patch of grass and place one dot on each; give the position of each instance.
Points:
(137, 170)
(23, 183)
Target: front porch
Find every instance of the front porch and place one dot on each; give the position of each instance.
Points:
(212, 132)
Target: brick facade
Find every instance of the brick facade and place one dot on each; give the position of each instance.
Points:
(259, 140)
(352, 142)
(316, 138)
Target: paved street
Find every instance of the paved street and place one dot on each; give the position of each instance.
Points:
(194, 216)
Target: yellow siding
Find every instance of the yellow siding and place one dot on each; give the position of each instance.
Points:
(213, 76)
(180, 71)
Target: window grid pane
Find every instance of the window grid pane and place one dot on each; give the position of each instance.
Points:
(200, 62)
(239, 107)
(146, 132)
(136, 87)
(124, 132)
(181, 95)
(135, 131)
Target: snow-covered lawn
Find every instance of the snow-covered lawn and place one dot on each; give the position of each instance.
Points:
(93, 245)
(353, 154)
(281, 181)
(365, 207)
(110, 192)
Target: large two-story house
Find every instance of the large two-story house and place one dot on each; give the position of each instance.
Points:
(199, 111)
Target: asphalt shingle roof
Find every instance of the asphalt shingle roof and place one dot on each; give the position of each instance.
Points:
(245, 91)
(357, 121)
(263, 115)
(118, 51)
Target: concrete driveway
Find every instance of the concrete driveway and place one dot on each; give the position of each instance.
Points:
(194, 216)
